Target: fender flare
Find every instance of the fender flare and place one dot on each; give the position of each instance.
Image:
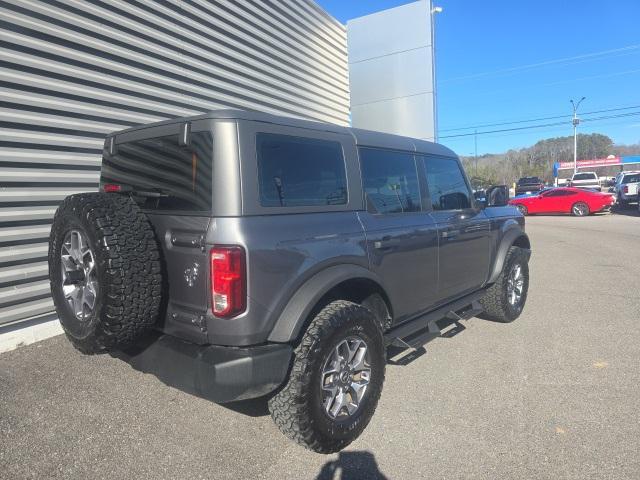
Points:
(294, 315)
(510, 236)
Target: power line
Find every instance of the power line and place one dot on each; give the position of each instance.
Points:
(539, 119)
(540, 132)
(630, 114)
(544, 64)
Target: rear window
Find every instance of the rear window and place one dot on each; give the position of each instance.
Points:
(631, 178)
(300, 172)
(529, 180)
(585, 176)
(163, 175)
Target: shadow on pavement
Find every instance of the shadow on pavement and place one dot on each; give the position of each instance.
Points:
(351, 466)
(254, 407)
(630, 211)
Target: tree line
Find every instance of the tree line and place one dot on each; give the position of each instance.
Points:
(537, 160)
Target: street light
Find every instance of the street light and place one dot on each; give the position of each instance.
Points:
(434, 10)
(576, 122)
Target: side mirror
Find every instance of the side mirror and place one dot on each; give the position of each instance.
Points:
(497, 196)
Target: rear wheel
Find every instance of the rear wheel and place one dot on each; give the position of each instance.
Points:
(580, 209)
(505, 299)
(335, 380)
(522, 209)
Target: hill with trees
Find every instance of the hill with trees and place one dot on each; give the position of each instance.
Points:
(538, 160)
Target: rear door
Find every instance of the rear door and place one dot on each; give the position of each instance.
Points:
(401, 235)
(167, 170)
(463, 228)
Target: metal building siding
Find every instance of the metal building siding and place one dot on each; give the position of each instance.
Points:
(72, 71)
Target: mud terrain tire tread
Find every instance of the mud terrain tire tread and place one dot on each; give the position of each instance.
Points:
(291, 406)
(129, 269)
(495, 304)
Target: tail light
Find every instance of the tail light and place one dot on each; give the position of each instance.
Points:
(625, 189)
(111, 187)
(228, 281)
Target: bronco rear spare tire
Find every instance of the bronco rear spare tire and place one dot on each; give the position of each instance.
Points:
(104, 270)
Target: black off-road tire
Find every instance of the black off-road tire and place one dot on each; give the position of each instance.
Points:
(495, 302)
(128, 271)
(297, 408)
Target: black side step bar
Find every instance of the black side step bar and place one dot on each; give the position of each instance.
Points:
(419, 331)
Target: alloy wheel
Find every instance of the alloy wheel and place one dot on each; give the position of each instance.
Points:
(345, 378)
(515, 285)
(580, 210)
(79, 279)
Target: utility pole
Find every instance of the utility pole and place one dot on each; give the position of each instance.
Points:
(475, 142)
(576, 122)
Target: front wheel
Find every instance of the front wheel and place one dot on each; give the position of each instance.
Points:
(335, 380)
(580, 209)
(505, 299)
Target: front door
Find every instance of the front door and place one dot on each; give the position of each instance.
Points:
(463, 229)
(401, 237)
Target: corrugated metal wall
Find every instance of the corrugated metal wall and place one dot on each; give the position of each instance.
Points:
(72, 71)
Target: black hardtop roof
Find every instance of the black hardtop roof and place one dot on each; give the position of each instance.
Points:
(362, 137)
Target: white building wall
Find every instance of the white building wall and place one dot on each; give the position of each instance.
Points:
(391, 71)
(72, 71)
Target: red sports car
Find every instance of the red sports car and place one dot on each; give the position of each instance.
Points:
(577, 201)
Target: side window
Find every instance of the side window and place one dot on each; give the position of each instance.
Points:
(560, 193)
(390, 180)
(297, 172)
(446, 183)
(555, 193)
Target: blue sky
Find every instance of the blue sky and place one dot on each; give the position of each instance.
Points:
(502, 61)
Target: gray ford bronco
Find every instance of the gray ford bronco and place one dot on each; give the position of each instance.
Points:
(238, 254)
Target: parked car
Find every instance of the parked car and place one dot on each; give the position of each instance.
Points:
(280, 259)
(532, 194)
(626, 187)
(585, 180)
(529, 185)
(576, 201)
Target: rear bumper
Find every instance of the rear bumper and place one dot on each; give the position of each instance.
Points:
(221, 374)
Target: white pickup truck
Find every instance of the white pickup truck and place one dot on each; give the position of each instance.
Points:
(585, 180)
(626, 187)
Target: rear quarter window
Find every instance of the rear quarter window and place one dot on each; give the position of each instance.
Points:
(298, 171)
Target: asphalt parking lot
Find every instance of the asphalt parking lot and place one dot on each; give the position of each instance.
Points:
(553, 395)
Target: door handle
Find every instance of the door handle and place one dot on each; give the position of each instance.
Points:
(386, 243)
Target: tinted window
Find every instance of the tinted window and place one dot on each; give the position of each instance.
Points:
(180, 176)
(390, 180)
(585, 176)
(296, 171)
(560, 193)
(529, 180)
(447, 185)
(631, 178)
